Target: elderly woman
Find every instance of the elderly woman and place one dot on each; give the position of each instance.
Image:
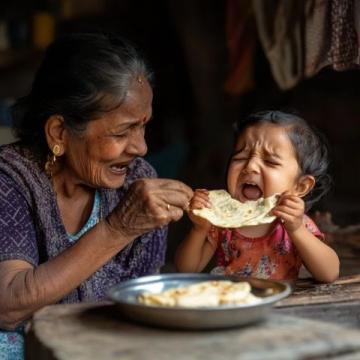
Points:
(80, 209)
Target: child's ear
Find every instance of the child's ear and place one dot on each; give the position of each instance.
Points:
(304, 185)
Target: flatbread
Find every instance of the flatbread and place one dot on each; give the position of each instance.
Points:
(203, 294)
(230, 213)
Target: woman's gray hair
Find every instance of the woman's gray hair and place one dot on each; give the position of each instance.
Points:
(82, 76)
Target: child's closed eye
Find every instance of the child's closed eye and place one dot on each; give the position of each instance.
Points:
(272, 162)
(243, 158)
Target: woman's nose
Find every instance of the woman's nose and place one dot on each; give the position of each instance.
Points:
(137, 144)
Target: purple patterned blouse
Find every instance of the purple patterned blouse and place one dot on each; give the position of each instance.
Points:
(31, 228)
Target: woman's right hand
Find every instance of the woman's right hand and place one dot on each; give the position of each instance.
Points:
(199, 201)
(149, 204)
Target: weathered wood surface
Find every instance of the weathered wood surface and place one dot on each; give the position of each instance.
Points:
(346, 313)
(98, 331)
(337, 303)
(346, 243)
(308, 292)
(87, 332)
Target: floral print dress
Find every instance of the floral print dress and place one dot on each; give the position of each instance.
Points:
(273, 256)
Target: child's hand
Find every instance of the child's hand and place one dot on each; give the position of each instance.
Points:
(290, 209)
(199, 201)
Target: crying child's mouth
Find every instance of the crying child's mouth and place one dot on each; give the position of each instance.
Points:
(251, 191)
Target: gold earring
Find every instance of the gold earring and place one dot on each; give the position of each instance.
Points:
(56, 150)
(51, 159)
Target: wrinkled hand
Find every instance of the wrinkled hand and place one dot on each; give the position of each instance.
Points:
(199, 201)
(290, 209)
(149, 204)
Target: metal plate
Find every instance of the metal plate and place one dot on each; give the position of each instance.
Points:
(125, 295)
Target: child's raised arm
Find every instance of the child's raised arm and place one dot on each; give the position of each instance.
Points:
(194, 253)
(320, 259)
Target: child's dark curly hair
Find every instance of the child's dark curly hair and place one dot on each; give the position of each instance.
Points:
(310, 146)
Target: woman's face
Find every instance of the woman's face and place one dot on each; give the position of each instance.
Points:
(101, 156)
(264, 163)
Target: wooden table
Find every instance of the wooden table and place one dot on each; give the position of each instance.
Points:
(338, 303)
(315, 322)
(318, 321)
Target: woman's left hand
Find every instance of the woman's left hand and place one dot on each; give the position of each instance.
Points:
(290, 209)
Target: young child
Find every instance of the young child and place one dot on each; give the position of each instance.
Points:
(274, 152)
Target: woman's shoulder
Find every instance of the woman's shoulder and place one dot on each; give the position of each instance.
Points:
(7, 183)
(21, 171)
(18, 156)
(9, 156)
(8, 150)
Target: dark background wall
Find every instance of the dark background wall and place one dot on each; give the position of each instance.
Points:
(191, 135)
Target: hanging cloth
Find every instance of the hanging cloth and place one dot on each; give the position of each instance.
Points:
(300, 38)
(241, 42)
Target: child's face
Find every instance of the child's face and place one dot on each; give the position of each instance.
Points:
(264, 163)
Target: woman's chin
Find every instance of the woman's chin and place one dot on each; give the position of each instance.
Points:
(114, 181)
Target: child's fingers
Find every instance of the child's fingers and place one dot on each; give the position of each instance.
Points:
(204, 191)
(284, 195)
(288, 195)
(201, 197)
(291, 205)
(199, 203)
(285, 219)
(290, 222)
(285, 216)
(292, 202)
(286, 210)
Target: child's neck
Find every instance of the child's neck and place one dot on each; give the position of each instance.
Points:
(256, 231)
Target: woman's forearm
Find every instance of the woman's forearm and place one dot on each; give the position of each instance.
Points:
(320, 259)
(24, 289)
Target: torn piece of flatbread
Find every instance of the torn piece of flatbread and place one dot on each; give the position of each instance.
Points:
(203, 294)
(230, 213)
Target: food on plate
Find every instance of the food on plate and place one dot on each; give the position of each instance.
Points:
(204, 294)
(230, 213)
